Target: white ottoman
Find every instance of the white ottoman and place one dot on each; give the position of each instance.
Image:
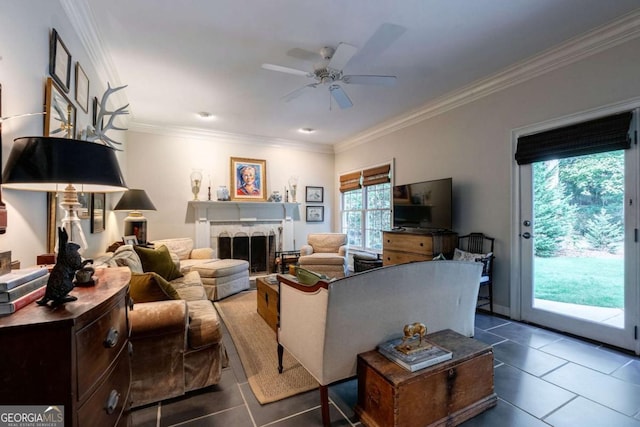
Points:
(224, 277)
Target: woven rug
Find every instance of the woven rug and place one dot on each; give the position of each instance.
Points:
(256, 344)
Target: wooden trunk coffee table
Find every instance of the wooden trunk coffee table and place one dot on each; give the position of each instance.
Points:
(445, 394)
(268, 304)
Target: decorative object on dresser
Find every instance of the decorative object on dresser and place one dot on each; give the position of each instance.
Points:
(44, 164)
(479, 248)
(401, 246)
(60, 281)
(447, 393)
(21, 287)
(134, 201)
(248, 179)
(77, 357)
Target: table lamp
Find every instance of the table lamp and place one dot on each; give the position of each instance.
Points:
(56, 164)
(135, 200)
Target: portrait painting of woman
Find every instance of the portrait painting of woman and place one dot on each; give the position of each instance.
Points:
(248, 179)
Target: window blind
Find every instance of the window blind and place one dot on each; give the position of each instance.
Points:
(377, 175)
(591, 137)
(350, 181)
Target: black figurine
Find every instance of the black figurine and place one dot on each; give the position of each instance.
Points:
(60, 281)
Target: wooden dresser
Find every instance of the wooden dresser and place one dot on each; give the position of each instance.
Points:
(402, 246)
(76, 355)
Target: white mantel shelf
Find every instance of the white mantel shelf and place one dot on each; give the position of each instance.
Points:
(208, 212)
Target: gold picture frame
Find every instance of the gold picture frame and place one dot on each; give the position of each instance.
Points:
(60, 117)
(248, 179)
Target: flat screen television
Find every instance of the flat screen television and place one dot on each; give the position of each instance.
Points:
(423, 205)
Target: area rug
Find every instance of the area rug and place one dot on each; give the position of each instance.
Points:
(256, 344)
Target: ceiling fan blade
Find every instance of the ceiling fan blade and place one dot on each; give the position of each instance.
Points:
(370, 80)
(305, 55)
(340, 96)
(287, 70)
(384, 37)
(344, 52)
(296, 93)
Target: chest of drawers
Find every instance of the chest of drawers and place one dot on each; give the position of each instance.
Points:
(399, 247)
(75, 355)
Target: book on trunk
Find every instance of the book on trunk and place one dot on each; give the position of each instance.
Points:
(20, 276)
(416, 360)
(23, 301)
(25, 288)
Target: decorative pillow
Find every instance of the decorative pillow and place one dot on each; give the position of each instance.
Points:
(159, 261)
(485, 259)
(149, 287)
(125, 256)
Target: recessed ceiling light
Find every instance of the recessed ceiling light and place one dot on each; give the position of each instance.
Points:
(206, 116)
(306, 130)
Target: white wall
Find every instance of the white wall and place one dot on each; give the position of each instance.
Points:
(24, 67)
(473, 143)
(161, 164)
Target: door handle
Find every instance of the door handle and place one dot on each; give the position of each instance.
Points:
(526, 235)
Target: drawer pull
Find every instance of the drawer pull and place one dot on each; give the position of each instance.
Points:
(112, 338)
(112, 402)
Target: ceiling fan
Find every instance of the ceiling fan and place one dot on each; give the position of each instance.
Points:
(328, 71)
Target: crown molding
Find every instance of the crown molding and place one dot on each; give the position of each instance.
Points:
(598, 40)
(228, 137)
(84, 23)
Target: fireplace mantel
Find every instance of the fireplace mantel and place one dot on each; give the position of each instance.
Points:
(208, 212)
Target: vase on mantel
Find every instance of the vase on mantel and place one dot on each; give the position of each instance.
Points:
(222, 194)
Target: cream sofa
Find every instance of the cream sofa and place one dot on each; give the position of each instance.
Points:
(220, 277)
(325, 326)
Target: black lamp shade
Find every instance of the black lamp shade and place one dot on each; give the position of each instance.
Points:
(135, 200)
(50, 164)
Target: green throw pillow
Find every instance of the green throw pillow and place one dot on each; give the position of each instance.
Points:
(158, 261)
(150, 287)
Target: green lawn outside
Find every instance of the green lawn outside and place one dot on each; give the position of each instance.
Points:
(597, 282)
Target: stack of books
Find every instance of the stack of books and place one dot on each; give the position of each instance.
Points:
(420, 359)
(21, 287)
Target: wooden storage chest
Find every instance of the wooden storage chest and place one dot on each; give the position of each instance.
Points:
(445, 394)
(399, 247)
(268, 301)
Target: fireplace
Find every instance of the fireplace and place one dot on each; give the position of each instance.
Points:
(259, 249)
(252, 231)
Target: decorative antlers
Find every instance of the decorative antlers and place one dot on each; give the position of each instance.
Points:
(99, 132)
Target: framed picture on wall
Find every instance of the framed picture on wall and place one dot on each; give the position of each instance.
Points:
(248, 179)
(82, 88)
(314, 194)
(315, 213)
(85, 203)
(60, 117)
(97, 212)
(59, 61)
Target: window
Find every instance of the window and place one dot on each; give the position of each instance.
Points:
(366, 207)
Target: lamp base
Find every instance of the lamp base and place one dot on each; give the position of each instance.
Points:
(137, 226)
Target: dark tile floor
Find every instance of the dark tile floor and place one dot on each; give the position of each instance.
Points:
(541, 377)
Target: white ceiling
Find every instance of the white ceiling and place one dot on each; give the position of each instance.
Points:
(183, 57)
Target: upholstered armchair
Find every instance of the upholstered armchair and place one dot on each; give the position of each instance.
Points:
(325, 326)
(325, 253)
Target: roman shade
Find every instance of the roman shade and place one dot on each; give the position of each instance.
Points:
(350, 181)
(591, 137)
(377, 175)
(372, 176)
